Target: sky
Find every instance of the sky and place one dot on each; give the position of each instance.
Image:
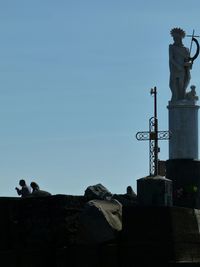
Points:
(75, 80)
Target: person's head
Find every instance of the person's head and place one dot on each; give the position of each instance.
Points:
(129, 190)
(22, 182)
(34, 186)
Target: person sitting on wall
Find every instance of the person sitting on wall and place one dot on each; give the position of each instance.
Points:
(34, 186)
(37, 192)
(25, 190)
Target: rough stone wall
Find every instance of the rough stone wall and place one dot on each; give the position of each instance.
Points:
(44, 232)
(39, 222)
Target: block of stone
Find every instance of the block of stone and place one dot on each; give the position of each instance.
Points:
(40, 222)
(165, 234)
(101, 220)
(97, 191)
(154, 191)
(185, 175)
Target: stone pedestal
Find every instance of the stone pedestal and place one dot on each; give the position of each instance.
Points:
(185, 175)
(154, 191)
(183, 166)
(160, 236)
(183, 125)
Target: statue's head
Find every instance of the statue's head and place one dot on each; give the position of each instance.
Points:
(177, 32)
(193, 89)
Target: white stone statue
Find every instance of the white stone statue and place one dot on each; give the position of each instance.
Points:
(180, 64)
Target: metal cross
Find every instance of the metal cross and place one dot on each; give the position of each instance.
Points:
(153, 135)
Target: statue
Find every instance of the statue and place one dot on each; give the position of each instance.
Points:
(180, 64)
(192, 96)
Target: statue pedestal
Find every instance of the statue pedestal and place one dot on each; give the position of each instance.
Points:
(183, 166)
(185, 176)
(183, 125)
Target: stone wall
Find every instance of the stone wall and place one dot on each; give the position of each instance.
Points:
(45, 232)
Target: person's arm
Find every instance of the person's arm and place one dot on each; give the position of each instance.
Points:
(19, 191)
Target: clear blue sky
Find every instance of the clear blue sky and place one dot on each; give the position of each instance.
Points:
(75, 78)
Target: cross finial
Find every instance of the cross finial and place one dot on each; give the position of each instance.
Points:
(153, 135)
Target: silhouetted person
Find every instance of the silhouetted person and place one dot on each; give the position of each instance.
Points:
(34, 186)
(129, 191)
(25, 190)
(37, 192)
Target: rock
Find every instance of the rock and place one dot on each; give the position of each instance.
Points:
(97, 191)
(101, 220)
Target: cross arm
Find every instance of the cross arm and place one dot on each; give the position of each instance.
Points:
(161, 135)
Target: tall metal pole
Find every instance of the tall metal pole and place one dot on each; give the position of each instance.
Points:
(155, 132)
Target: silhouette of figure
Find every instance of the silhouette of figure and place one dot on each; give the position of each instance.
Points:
(179, 64)
(129, 191)
(37, 192)
(34, 186)
(25, 190)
